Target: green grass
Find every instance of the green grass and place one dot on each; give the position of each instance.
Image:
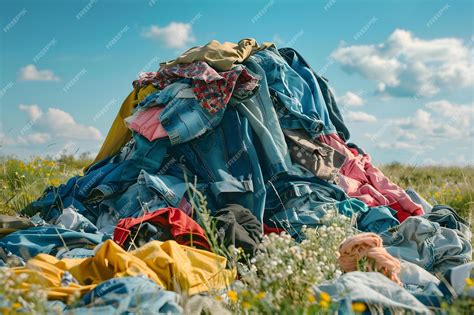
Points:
(452, 186)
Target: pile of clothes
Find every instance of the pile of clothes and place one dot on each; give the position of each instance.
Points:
(259, 135)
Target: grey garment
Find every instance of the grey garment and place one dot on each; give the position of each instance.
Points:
(427, 244)
(417, 280)
(416, 198)
(319, 158)
(73, 220)
(448, 218)
(372, 288)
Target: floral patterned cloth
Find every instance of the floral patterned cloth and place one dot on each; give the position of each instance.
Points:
(212, 89)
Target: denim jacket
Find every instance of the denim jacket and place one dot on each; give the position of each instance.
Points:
(293, 92)
(296, 60)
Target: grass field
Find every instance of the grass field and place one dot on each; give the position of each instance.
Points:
(283, 287)
(22, 182)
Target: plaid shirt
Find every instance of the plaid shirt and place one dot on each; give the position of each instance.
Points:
(212, 89)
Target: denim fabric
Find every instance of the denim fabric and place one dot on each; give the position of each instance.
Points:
(372, 288)
(294, 201)
(377, 220)
(259, 111)
(293, 92)
(106, 179)
(457, 276)
(427, 244)
(417, 280)
(419, 200)
(75, 253)
(220, 160)
(149, 193)
(329, 99)
(448, 218)
(301, 67)
(164, 96)
(184, 119)
(47, 240)
(128, 295)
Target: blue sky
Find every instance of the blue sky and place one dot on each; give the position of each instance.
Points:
(402, 70)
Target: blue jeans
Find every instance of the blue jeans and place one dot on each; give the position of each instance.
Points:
(47, 240)
(292, 91)
(127, 295)
(377, 220)
(293, 201)
(104, 180)
(263, 119)
(427, 244)
(329, 99)
(298, 64)
(372, 288)
(184, 119)
(221, 162)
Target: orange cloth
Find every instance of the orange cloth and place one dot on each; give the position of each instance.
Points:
(171, 265)
(368, 245)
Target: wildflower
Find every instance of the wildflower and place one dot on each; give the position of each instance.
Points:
(470, 282)
(323, 304)
(261, 295)
(16, 305)
(311, 298)
(246, 305)
(232, 295)
(325, 297)
(218, 298)
(358, 307)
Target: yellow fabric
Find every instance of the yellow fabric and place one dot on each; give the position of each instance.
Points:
(119, 134)
(221, 57)
(171, 265)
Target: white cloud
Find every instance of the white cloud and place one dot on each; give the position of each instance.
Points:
(31, 73)
(407, 66)
(360, 117)
(350, 99)
(173, 35)
(56, 123)
(436, 123)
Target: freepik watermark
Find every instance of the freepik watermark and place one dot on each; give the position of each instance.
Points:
(117, 37)
(74, 80)
(44, 50)
(15, 20)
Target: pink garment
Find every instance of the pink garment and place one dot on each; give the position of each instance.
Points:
(147, 123)
(361, 180)
(368, 246)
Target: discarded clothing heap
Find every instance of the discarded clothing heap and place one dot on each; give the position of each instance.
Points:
(259, 135)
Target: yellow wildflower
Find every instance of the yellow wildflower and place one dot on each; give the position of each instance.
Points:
(232, 296)
(325, 297)
(470, 282)
(16, 305)
(261, 295)
(311, 299)
(246, 305)
(218, 298)
(358, 307)
(323, 304)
